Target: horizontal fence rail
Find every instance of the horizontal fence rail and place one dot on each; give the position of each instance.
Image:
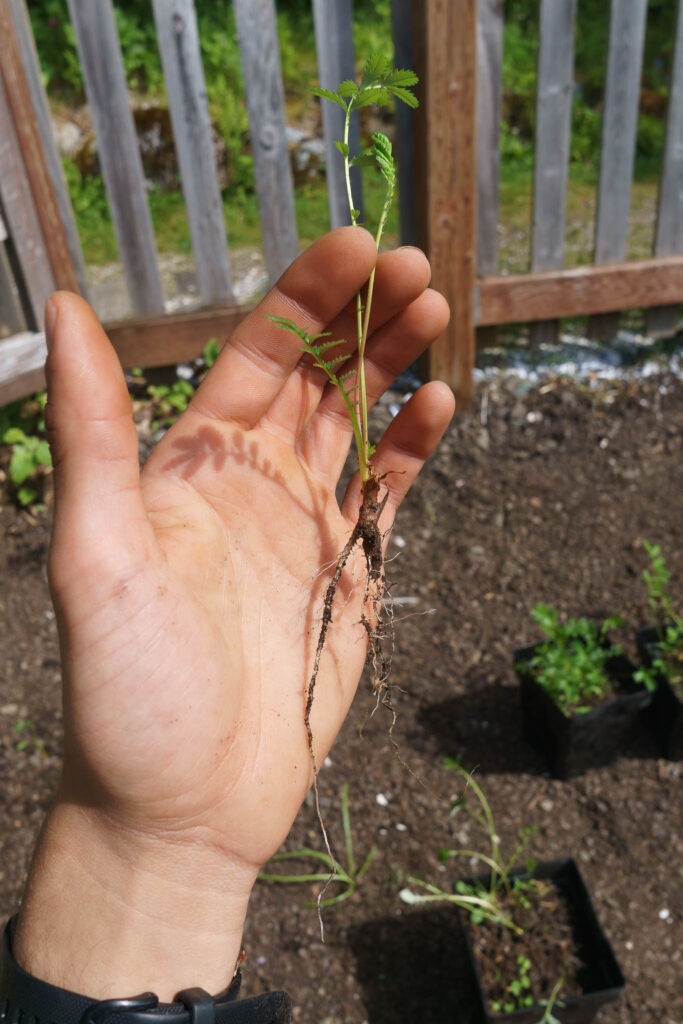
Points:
(449, 162)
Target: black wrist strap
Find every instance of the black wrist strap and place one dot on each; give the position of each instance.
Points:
(27, 1000)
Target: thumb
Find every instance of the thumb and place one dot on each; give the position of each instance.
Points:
(92, 438)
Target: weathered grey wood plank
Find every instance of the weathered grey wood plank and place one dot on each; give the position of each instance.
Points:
(620, 120)
(260, 55)
(405, 125)
(490, 22)
(489, 105)
(105, 85)
(334, 48)
(22, 219)
(178, 39)
(11, 316)
(551, 158)
(29, 57)
(22, 362)
(665, 320)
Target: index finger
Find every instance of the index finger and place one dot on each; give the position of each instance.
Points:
(259, 357)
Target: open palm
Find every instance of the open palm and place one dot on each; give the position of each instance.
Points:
(189, 596)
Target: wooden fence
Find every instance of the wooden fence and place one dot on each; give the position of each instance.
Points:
(448, 161)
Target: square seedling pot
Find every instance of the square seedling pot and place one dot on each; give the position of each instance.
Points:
(664, 716)
(602, 978)
(572, 744)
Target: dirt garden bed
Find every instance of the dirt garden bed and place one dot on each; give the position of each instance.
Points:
(544, 495)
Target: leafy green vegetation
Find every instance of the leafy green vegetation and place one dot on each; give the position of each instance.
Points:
(348, 876)
(668, 658)
(497, 901)
(572, 664)
(372, 33)
(22, 426)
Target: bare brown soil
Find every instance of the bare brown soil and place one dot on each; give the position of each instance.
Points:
(537, 496)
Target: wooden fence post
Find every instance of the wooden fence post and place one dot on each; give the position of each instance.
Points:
(663, 320)
(445, 60)
(28, 138)
(334, 48)
(100, 55)
(260, 55)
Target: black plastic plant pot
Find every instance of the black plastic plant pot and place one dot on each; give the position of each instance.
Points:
(571, 744)
(601, 977)
(664, 716)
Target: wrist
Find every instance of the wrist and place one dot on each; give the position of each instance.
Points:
(106, 912)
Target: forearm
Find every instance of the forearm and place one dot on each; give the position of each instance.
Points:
(109, 915)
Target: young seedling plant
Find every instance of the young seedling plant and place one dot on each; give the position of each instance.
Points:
(668, 660)
(379, 83)
(571, 665)
(502, 902)
(349, 877)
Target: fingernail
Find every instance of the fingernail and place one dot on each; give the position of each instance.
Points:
(50, 321)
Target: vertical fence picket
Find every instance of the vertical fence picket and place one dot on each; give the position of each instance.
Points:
(11, 313)
(334, 49)
(551, 157)
(178, 39)
(664, 320)
(260, 54)
(76, 276)
(489, 106)
(445, 52)
(105, 86)
(620, 121)
(22, 219)
(404, 144)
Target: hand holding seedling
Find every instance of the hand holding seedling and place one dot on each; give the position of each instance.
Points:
(187, 599)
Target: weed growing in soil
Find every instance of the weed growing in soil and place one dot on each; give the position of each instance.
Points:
(379, 83)
(668, 660)
(571, 665)
(348, 876)
(23, 427)
(508, 904)
(497, 902)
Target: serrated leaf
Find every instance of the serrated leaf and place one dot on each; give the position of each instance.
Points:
(401, 76)
(406, 97)
(342, 147)
(327, 94)
(347, 88)
(329, 344)
(336, 361)
(376, 94)
(376, 67)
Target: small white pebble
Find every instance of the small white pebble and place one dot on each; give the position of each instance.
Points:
(328, 762)
(398, 541)
(400, 827)
(260, 960)
(628, 944)
(382, 800)
(382, 831)
(664, 914)
(547, 805)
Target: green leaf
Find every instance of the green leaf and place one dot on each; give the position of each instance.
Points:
(327, 94)
(26, 495)
(363, 160)
(375, 94)
(406, 97)
(22, 465)
(347, 88)
(211, 350)
(401, 77)
(15, 435)
(42, 454)
(342, 147)
(376, 67)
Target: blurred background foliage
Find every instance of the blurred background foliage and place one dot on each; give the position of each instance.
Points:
(372, 31)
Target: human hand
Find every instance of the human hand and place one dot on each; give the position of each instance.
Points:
(188, 599)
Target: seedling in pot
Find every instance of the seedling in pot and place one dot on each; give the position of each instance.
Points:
(572, 664)
(343, 362)
(668, 658)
